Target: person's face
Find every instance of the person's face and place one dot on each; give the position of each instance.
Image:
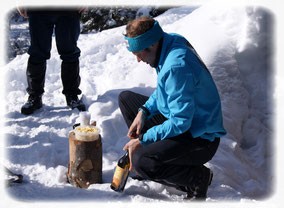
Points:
(148, 55)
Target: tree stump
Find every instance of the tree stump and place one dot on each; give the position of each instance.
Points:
(85, 161)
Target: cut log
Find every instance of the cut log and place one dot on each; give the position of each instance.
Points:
(85, 161)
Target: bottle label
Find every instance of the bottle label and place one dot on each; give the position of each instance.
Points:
(120, 176)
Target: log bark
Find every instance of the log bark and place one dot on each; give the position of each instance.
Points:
(85, 162)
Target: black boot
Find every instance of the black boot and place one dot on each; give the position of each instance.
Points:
(74, 102)
(33, 103)
(35, 77)
(199, 187)
(70, 78)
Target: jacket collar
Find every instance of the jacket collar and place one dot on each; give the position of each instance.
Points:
(164, 47)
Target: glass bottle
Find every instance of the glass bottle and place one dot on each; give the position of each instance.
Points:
(121, 173)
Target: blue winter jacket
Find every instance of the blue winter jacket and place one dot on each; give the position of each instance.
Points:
(186, 95)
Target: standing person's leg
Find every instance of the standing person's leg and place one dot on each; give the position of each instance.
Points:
(41, 29)
(67, 32)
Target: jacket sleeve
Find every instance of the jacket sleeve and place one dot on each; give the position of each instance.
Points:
(179, 93)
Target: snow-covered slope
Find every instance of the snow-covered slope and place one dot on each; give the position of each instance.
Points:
(235, 43)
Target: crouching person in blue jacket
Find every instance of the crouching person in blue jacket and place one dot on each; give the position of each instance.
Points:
(176, 130)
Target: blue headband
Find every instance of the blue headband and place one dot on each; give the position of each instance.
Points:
(146, 39)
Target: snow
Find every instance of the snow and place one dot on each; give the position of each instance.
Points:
(236, 45)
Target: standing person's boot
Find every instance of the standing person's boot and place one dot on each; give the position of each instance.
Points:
(73, 102)
(34, 102)
(35, 78)
(71, 80)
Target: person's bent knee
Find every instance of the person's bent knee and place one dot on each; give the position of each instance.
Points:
(125, 95)
(146, 167)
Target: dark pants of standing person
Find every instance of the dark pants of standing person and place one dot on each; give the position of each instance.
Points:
(66, 27)
(177, 161)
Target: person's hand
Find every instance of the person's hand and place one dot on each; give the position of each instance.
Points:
(132, 146)
(23, 12)
(136, 126)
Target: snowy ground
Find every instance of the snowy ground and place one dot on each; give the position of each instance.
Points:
(236, 44)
